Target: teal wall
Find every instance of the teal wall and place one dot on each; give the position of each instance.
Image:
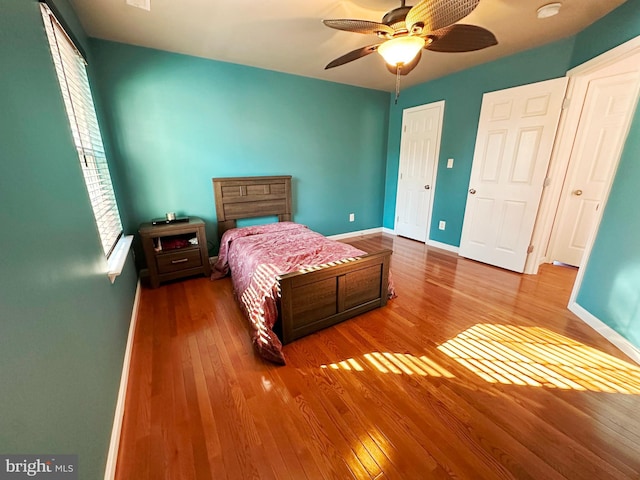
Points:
(63, 325)
(617, 27)
(611, 285)
(462, 93)
(177, 121)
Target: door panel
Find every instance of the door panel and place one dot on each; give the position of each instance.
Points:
(493, 156)
(419, 150)
(581, 228)
(526, 153)
(510, 226)
(515, 136)
(480, 231)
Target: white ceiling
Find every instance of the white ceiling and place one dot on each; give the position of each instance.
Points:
(289, 36)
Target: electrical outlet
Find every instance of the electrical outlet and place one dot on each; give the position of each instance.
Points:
(450, 163)
(352, 217)
(442, 225)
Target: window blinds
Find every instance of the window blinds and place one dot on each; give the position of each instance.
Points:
(72, 76)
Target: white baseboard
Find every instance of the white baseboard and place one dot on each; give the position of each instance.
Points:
(606, 331)
(358, 233)
(431, 243)
(443, 246)
(114, 444)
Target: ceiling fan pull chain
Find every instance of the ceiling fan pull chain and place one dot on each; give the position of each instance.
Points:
(398, 67)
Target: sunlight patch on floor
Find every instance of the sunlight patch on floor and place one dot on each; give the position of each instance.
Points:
(396, 363)
(538, 357)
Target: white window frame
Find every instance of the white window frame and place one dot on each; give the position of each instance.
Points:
(70, 66)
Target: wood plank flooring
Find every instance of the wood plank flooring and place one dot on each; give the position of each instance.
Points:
(471, 372)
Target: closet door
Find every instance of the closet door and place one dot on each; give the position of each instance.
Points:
(610, 97)
(419, 150)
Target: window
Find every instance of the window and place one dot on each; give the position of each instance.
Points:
(72, 75)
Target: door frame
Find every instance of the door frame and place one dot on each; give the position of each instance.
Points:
(439, 104)
(559, 164)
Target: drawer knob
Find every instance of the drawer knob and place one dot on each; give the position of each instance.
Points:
(182, 260)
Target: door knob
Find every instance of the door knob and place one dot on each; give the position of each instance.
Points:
(472, 191)
(577, 192)
(427, 187)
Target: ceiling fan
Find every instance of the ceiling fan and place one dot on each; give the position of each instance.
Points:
(406, 30)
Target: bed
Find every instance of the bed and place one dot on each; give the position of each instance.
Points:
(286, 292)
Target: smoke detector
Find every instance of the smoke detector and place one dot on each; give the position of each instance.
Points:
(549, 10)
(142, 4)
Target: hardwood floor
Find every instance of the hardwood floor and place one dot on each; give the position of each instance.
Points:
(471, 372)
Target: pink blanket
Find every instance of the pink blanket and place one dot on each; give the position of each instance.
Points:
(256, 255)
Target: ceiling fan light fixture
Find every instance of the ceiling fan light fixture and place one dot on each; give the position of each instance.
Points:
(401, 50)
(549, 10)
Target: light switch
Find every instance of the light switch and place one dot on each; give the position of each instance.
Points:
(450, 163)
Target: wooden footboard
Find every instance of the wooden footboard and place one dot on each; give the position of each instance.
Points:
(326, 295)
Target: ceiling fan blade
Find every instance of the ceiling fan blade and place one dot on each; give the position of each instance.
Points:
(432, 15)
(461, 38)
(351, 56)
(359, 26)
(405, 68)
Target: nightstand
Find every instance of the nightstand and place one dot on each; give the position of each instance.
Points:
(175, 250)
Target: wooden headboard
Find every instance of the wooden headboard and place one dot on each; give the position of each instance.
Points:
(249, 197)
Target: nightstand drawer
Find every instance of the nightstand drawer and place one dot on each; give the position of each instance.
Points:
(179, 260)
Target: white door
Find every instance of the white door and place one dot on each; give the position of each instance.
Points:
(609, 103)
(515, 137)
(419, 150)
